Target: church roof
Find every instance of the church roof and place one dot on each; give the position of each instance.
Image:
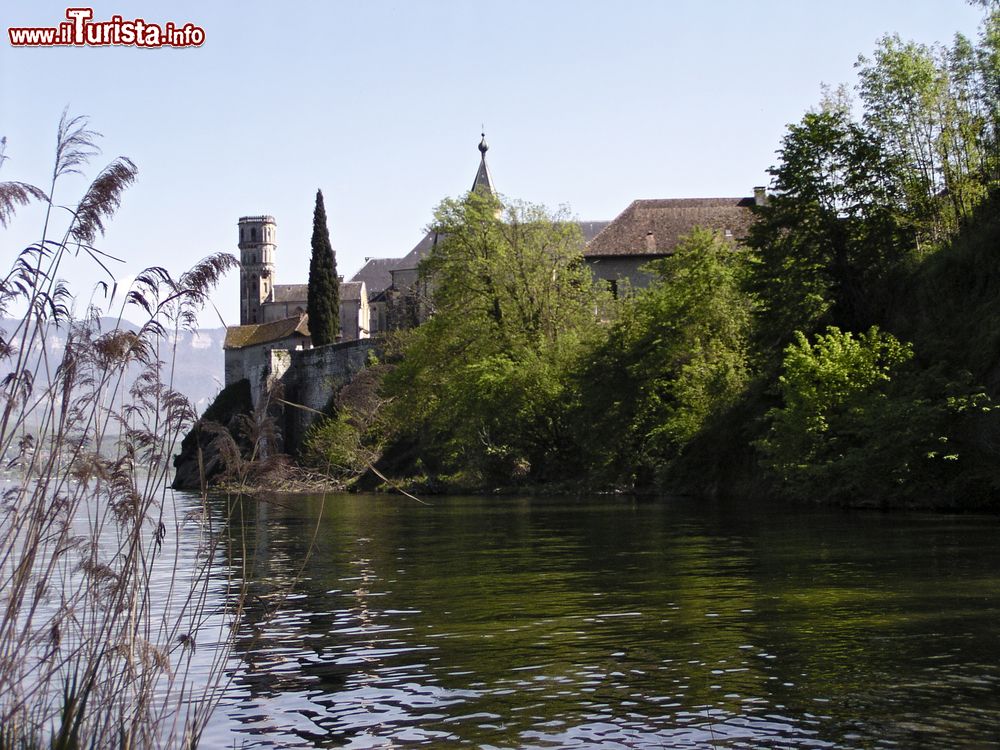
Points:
(420, 251)
(289, 293)
(377, 274)
(299, 293)
(240, 337)
(654, 227)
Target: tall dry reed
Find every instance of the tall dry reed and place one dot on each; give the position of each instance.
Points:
(105, 585)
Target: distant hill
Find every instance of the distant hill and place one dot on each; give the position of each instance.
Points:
(199, 369)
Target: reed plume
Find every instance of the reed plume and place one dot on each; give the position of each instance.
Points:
(101, 601)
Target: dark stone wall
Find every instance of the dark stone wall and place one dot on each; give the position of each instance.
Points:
(312, 379)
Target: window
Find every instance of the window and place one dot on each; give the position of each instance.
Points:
(253, 234)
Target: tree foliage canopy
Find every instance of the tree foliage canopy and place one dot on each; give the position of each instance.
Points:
(481, 381)
(675, 358)
(830, 234)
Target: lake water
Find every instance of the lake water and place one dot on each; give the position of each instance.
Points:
(610, 623)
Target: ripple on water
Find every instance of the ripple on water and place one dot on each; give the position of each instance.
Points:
(548, 623)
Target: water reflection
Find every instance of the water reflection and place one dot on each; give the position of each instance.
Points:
(502, 623)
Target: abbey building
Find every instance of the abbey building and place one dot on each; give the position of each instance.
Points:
(389, 293)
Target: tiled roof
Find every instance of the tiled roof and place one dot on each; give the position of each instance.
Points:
(240, 337)
(289, 293)
(420, 251)
(377, 274)
(654, 227)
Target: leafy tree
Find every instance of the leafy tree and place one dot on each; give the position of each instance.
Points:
(856, 203)
(676, 358)
(828, 387)
(846, 242)
(480, 383)
(966, 136)
(937, 111)
(830, 236)
(904, 91)
(323, 304)
(987, 66)
(930, 106)
(859, 424)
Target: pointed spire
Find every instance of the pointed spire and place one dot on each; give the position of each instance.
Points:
(483, 183)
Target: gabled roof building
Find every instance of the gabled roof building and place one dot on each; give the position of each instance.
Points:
(651, 229)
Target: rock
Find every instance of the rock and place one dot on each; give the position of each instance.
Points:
(206, 436)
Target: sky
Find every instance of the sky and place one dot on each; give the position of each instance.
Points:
(585, 104)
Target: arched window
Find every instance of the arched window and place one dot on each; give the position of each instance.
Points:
(253, 234)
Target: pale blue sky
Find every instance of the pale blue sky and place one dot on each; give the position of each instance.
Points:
(588, 104)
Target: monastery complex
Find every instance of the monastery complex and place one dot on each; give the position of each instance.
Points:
(388, 293)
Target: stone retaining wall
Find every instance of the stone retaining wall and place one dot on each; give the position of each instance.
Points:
(313, 376)
(304, 377)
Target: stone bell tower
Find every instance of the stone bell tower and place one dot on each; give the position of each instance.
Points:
(257, 247)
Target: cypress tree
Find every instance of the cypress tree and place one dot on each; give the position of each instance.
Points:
(324, 288)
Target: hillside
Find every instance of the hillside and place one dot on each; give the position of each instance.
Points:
(198, 369)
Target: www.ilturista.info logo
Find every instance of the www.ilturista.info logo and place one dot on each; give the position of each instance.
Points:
(80, 31)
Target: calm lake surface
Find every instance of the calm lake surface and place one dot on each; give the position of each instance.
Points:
(612, 623)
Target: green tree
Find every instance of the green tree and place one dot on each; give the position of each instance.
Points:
(904, 90)
(859, 423)
(324, 286)
(832, 389)
(988, 69)
(935, 109)
(966, 137)
(830, 236)
(676, 358)
(480, 384)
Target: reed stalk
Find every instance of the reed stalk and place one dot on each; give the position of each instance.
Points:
(110, 631)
